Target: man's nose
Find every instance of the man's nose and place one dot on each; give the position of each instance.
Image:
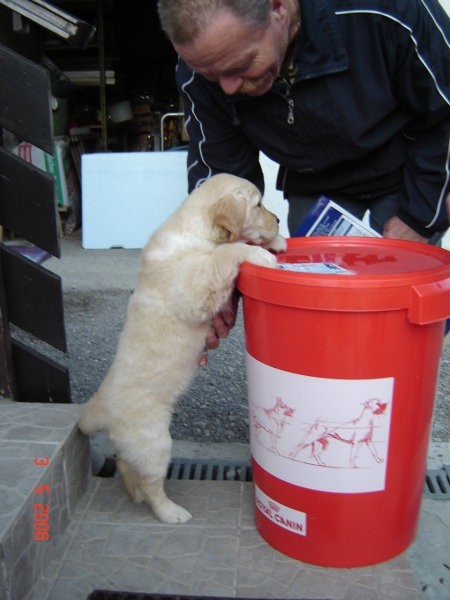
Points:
(230, 85)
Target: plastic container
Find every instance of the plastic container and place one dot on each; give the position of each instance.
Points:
(342, 366)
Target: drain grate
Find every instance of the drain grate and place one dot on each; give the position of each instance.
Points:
(437, 483)
(208, 470)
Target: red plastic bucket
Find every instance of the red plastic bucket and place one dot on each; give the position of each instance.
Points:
(342, 367)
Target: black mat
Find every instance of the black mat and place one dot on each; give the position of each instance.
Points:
(108, 595)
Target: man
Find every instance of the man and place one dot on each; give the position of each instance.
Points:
(351, 98)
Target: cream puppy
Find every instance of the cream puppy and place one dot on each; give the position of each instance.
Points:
(187, 274)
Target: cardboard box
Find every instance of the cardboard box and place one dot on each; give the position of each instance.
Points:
(328, 218)
(60, 166)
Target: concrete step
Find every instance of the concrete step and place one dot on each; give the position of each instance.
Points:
(44, 465)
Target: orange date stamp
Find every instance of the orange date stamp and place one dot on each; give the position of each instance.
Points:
(41, 510)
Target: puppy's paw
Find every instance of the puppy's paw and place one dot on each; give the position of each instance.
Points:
(260, 256)
(278, 244)
(172, 513)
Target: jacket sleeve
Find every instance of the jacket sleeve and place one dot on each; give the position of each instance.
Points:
(422, 83)
(216, 145)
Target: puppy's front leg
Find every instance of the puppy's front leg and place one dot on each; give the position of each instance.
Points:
(260, 256)
(226, 261)
(164, 508)
(212, 282)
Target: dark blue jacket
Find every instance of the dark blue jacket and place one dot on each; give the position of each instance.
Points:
(371, 110)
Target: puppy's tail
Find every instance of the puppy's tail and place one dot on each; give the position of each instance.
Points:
(93, 417)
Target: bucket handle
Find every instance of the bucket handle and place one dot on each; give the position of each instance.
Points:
(430, 302)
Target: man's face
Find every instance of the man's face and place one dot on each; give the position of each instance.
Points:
(241, 59)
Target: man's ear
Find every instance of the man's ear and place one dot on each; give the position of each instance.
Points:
(279, 10)
(228, 214)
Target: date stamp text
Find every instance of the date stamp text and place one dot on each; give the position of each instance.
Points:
(41, 508)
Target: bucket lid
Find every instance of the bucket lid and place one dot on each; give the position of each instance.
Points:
(356, 274)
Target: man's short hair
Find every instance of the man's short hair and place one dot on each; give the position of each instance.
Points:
(183, 20)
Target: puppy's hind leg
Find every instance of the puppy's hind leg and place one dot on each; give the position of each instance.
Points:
(142, 488)
(164, 508)
(130, 480)
(144, 471)
(93, 416)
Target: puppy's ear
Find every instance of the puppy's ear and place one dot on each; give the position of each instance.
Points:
(228, 214)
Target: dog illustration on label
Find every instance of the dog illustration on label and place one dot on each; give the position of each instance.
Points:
(268, 423)
(357, 433)
(277, 427)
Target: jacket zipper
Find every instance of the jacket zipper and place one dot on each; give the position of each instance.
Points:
(290, 101)
(290, 115)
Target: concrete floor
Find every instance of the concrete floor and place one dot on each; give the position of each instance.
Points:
(99, 539)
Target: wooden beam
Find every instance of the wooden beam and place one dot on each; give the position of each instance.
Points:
(28, 206)
(38, 378)
(25, 99)
(6, 375)
(34, 298)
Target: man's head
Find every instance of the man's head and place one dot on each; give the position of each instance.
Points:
(240, 44)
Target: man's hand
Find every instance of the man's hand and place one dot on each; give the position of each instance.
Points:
(395, 228)
(222, 323)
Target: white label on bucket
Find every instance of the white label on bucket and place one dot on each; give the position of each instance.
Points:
(320, 268)
(329, 435)
(283, 516)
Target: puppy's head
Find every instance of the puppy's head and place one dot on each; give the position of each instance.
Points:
(237, 213)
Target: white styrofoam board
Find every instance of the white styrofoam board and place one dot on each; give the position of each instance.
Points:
(126, 196)
(446, 240)
(273, 198)
(446, 5)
